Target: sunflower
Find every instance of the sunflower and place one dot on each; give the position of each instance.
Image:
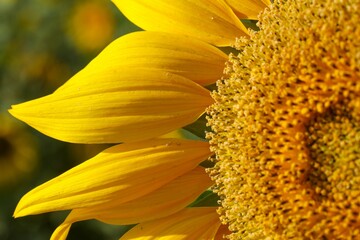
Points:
(286, 125)
(142, 86)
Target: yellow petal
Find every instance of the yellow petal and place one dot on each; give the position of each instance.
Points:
(185, 56)
(162, 202)
(248, 8)
(190, 223)
(61, 232)
(222, 232)
(126, 170)
(211, 21)
(119, 105)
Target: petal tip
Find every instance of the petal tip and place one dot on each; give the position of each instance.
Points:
(17, 213)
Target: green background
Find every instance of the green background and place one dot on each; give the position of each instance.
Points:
(38, 53)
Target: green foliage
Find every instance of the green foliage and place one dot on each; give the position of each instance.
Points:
(199, 127)
(206, 199)
(250, 24)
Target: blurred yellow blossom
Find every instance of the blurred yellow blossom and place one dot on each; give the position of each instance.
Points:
(91, 25)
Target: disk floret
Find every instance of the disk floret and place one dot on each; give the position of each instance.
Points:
(286, 125)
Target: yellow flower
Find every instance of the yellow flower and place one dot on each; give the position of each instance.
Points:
(286, 125)
(142, 86)
(91, 25)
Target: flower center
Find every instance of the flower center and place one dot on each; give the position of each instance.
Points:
(286, 125)
(333, 140)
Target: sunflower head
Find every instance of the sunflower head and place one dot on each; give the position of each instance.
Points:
(286, 125)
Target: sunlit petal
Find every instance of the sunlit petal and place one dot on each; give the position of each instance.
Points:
(116, 105)
(185, 56)
(190, 223)
(248, 8)
(61, 232)
(212, 21)
(162, 202)
(126, 170)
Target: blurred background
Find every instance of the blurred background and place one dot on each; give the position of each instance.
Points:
(42, 44)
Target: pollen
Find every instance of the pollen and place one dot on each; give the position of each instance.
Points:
(286, 125)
